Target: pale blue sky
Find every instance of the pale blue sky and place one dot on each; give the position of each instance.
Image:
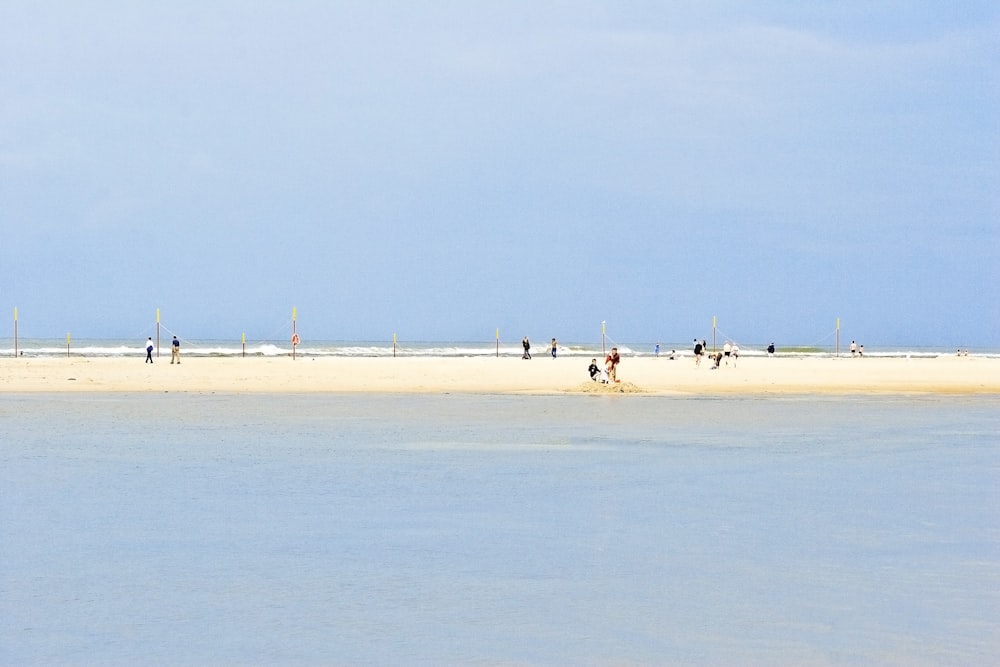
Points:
(442, 169)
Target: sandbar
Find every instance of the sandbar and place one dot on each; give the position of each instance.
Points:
(503, 375)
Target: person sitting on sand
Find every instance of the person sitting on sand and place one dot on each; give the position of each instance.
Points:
(612, 364)
(594, 371)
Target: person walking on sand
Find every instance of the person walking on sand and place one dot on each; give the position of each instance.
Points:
(149, 350)
(175, 351)
(770, 350)
(656, 350)
(612, 364)
(526, 344)
(698, 350)
(854, 349)
(734, 353)
(555, 348)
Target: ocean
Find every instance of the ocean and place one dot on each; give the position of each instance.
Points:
(186, 528)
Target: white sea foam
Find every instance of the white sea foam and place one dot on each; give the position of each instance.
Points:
(326, 348)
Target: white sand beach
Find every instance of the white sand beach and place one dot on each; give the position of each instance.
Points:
(505, 375)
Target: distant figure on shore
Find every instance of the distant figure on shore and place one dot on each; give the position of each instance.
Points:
(594, 371)
(555, 348)
(175, 351)
(734, 353)
(656, 350)
(699, 349)
(526, 344)
(726, 351)
(611, 363)
(861, 350)
(149, 350)
(854, 349)
(770, 350)
(673, 355)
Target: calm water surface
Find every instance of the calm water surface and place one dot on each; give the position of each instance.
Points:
(454, 529)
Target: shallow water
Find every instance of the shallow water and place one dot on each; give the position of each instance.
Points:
(193, 529)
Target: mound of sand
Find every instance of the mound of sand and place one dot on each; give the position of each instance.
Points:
(610, 388)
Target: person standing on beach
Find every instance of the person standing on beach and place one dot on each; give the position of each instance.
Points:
(149, 350)
(612, 364)
(526, 344)
(770, 350)
(726, 351)
(555, 348)
(734, 353)
(854, 349)
(175, 351)
(698, 349)
(656, 350)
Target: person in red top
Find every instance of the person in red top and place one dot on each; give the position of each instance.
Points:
(611, 363)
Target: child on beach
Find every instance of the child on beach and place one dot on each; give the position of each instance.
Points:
(594, 370)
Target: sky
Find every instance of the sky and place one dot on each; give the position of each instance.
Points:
(440, 170)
